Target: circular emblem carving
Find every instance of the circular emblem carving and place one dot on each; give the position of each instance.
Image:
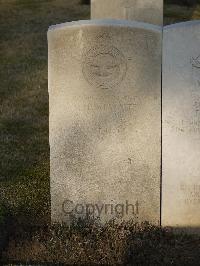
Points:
(104, 67)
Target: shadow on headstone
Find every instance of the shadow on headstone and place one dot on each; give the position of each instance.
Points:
(105, 115)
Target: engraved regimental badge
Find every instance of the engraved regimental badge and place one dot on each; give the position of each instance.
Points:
(195, 62)
(104, 67)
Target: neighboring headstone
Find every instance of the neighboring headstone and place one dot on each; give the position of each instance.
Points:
(149, 11)
(105, 120)
(181, 126)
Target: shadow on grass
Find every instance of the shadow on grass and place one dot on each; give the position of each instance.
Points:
(24, 144)
(174, 13)
(87, 242)
(24, 94)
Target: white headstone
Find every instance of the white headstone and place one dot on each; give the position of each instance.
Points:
(149, 11)
(181, 125)
(105, 120)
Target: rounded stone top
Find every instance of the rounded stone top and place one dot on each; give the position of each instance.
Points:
(183, 24)
(106, 22)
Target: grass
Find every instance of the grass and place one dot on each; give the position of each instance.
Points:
(175, 13)
(24, 157)
(85, 242)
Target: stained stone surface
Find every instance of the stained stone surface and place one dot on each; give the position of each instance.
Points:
(105, 120)
(149, 11)
(181, 126)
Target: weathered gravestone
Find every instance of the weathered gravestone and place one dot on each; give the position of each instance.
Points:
(105, 120)
(150, 11)
(181, 125)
